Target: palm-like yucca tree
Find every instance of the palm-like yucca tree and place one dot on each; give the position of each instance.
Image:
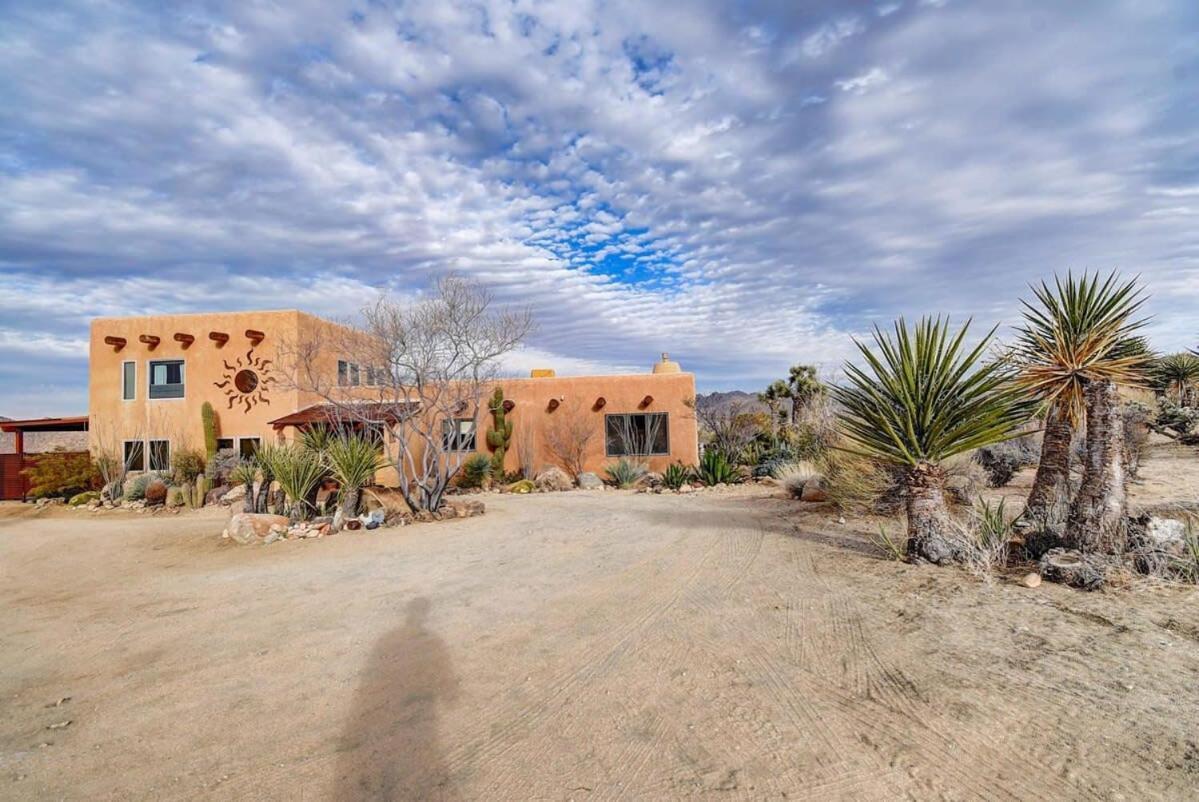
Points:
(353, 460)
(1178, 373)
(1077, 343)
(923, 398)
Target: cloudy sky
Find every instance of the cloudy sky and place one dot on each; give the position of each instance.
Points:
(744, 185)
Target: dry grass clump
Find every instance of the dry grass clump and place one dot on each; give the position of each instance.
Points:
(794, 475)
(858, 485)
(982, 537)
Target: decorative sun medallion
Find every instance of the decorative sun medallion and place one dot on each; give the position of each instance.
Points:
(245, 382)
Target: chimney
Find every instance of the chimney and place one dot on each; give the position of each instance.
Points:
(666, 366)
(541, 373)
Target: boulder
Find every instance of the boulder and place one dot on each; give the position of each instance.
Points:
(651, 479)
(234, 495)
(553, 480)
(523, 486)
(813, 490)
(466, 508)
(217, 494)
(590, 481)
(248, 527)
(389, 500)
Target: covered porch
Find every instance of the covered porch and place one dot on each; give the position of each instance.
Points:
(14, 485)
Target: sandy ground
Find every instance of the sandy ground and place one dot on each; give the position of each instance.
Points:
(575, 646)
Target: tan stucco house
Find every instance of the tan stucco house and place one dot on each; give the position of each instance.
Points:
(149, 377)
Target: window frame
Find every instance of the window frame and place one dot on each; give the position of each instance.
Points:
(182, 385)
(128, 389)
(150, 462)
(141, 448)
(242, 440)
(232, 441)
(665, 416)
(452, 436)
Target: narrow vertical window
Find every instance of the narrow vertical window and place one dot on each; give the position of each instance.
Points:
(353, 375)
(128, 381)
(160, 455)
(135, 455)
(343, 373)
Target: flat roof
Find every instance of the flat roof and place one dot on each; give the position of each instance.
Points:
(77, 423)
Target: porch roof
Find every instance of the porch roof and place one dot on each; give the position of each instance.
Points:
(77, 423)
(357, 412)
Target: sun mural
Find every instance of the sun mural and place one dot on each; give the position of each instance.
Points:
(245, 383)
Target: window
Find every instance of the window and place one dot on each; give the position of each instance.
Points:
(224, 444)
(248, 446)
(160, 455)
(343, 373)
(637, 435)
(370, 376)
(353, 375)
(458, 434)
(128, 381)
(135, 455)
(166, 379)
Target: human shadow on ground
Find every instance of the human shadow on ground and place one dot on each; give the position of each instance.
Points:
(391, 747)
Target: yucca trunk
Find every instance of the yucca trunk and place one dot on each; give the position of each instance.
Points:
(929, 535)
(349, 502)
(1096, 520)
(1048, 504)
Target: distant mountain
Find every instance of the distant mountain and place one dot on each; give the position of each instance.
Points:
(721, 401)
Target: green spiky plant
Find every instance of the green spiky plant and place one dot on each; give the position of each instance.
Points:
(675, 476)
(244, 474)
(625, 473)
(923, 398)
(476, 470)
(317, 438)
(209, 420)
(500, 434)
(1076, 344)
(715, 469)
(353, 460)
(1178, 373)
(298, 470)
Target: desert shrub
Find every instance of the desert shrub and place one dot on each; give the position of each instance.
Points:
(892, 547)
(156, 492)
(981, 541)
(794, 475)
(1001, 461)
(221, 466)
(625, 473)
(715, 469)
(1178, 419)
(298, 470)
(243, 472)
(62, 474)
(1174, 562)
(675, 476)
(476, 470)
(860, 486)
(964, 479)
(188, 464)
(353, 460)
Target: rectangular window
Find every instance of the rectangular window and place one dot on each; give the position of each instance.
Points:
(224, 444)
(166, 378)
(370, 376)
(458, 434)
(642, 434)
(353, 375)
(248, 446)
(343, 373)
(128, 381)
(160, 455)
(135, 455)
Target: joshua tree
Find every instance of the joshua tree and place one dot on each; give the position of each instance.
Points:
(1075, 334)
(922, 399)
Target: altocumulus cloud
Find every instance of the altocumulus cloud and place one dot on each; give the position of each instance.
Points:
(743, 185)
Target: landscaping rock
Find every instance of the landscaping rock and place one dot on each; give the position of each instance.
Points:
(813, 491)
(523, 486)
(389, 500)
(652, 479)
(246, 527)
(233, 496)
(1032, 580)
(84, 498)
(590, 481)
(217, 494)
(553, 480)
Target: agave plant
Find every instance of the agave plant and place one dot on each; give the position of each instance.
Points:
(1079, 334)
(715, 469)
(922, 399)
(353, 460)
(675, 476)
(625, 473)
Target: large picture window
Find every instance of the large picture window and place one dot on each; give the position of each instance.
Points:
(458, 434)
(160, 455)
(166, 378)
(135, 455)
(640, 434)
(128, 381)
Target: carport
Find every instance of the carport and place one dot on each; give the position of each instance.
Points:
(13, 484)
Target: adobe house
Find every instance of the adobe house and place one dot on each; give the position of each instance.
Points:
(149, 377)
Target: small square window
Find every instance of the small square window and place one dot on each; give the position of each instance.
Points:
(224, 444)
(166, 378)
(248, 446)
(458, 435)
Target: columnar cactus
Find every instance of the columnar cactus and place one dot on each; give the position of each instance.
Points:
(208, 416)
(500, 434)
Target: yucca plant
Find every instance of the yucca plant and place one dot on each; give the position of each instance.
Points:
(297, 470)
(244, 473)
(921, 399)
(1178, 373)
(476, 470)
(625, 473)
(353, 460)
(1077, 336)
(715, 469)
(675, 476)
(317, 438)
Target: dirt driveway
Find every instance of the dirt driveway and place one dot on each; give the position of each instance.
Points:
(574, 646)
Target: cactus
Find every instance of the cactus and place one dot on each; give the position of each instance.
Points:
(500, 434)
(208, 415)
(198, 492)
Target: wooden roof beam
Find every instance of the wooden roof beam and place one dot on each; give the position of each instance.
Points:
(218, 337)
(117, 343)
(150, 340)
(184, 339)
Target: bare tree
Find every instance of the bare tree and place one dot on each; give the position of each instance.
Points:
(569, 435)
(412, 370)
(526, 450)
(112, 461)
(729, 428)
